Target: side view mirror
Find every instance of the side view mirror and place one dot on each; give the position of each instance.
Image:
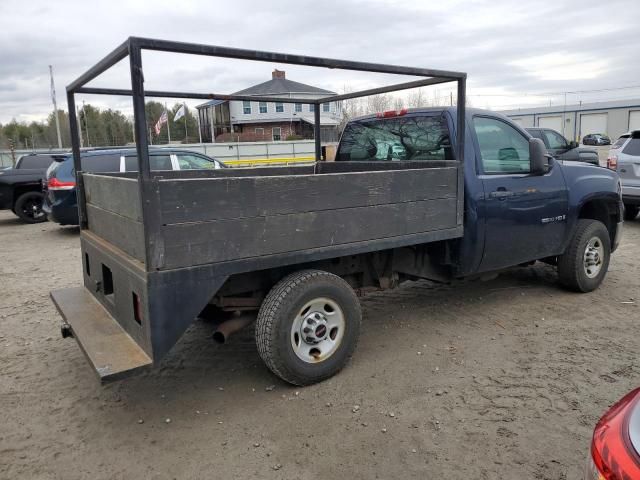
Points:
(573, 144)
(538, 157)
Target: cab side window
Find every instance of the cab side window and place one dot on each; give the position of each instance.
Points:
(555, 141)
(503, 149)
(195, 162)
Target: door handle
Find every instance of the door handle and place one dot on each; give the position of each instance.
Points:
(501, 193)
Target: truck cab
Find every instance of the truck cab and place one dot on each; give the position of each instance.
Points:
(515, 212)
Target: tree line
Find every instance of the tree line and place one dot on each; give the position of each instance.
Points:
(98, 128)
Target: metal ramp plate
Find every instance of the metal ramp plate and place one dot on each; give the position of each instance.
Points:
(110, 350)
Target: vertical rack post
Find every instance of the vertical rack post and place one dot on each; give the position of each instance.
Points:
(77, 164)
(147, 187)
(316, 130)
(460, 134)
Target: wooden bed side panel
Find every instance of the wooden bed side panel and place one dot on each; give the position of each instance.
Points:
(115, 194)
(231, 239)
(122, 232)
(215, 199)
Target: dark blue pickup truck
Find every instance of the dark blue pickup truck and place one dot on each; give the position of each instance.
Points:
(298, 245)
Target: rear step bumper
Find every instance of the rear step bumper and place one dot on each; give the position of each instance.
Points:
(110, 350)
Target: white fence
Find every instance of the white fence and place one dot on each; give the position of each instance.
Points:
(235, 154)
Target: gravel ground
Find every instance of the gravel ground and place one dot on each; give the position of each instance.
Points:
(482, 380)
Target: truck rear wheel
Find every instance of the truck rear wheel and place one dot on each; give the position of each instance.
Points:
(584, 264)
(28, 207)
(308, 326)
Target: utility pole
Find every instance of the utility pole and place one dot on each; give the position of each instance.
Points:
(86, 124)
(199, 127)
(79, 129)
(55, 106)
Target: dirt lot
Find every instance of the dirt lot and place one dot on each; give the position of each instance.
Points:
(486, 380)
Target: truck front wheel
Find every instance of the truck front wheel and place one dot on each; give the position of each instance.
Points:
(308, 326)
(584, 264)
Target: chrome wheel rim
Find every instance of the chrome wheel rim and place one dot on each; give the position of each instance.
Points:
(318, 330)
(593, 257)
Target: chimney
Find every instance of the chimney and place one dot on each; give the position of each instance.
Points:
(277, 74)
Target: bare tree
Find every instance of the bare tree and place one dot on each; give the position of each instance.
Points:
(379, 103)
(417, 98)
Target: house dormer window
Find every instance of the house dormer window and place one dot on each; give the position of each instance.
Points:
(326, 107)
(263, 107)
(298, 107)
(311, 107)
(246, 107)
(279, 107)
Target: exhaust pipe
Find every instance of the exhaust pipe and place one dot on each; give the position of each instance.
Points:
(228, 328)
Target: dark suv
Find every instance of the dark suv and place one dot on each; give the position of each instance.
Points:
(60, 203)
(21, 186)
(561, 148)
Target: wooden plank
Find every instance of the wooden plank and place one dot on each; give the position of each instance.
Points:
(117, 195)
(337, 167)
(215, 199)
(123, 232)
(111, 352)
(224, 240)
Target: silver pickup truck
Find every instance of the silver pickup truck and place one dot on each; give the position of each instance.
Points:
(562, 149)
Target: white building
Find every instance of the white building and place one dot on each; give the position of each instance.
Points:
(575, 121)
(259, 121)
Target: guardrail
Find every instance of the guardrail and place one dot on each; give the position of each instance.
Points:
(233, 154)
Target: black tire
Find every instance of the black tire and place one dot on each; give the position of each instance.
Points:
(280, 309)
(28, 207)
(631, 212)
(571, 265)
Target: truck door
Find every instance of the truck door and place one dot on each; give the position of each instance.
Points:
(525, 214)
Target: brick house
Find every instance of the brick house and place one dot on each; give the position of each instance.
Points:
(248, 121)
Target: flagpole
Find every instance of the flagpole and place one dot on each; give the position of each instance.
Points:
(199, 127)
(168, 120)
(55, 106)
(186, 135)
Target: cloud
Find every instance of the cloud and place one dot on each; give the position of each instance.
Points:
(506, 47)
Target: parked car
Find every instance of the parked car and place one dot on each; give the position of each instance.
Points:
(21, 186)
(561, 148)
(60, 204)
(624, 158)
(615, 446)
(596, 139)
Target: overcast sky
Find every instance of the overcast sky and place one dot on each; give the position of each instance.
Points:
(511, 50)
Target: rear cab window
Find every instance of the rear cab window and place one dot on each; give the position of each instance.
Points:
(411, 137)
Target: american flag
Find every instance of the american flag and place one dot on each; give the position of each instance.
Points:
(161, 121)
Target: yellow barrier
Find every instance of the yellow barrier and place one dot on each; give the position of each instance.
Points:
(268, 161)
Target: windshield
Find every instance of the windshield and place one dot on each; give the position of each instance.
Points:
(399, 138)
